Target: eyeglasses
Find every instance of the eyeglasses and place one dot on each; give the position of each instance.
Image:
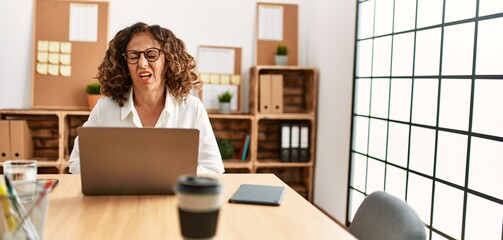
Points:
(151, 54)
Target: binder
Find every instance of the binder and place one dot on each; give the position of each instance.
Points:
(294, 145)
(285, 143)
(277, 93)
(242, 147)
(246, 147)
(265, 93)
(4, 140)
(20, 139)
(304, 143)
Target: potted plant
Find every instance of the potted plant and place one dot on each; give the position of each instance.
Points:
(225, 102)
(93, 91)
(226, 148)
(281, 55)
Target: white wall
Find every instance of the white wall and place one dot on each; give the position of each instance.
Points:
(331, 48)
(325, 41)
(196, 22)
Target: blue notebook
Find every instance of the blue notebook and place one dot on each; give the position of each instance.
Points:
(258, 194)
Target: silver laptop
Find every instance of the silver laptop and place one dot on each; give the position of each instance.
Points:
(135, 161)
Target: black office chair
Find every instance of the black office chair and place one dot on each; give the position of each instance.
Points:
(383, 216)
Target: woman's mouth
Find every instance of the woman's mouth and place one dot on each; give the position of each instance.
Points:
(145, 76)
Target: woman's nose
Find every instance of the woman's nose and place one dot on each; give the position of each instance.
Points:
(143, 61)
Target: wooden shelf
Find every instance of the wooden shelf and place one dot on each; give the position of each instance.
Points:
(277, 163)
(234, 163)
(230, 116)
(300, 84)
(287, 116)
(54, 131)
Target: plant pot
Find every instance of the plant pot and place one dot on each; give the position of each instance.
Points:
(92, 99)
(281, 60)
(225, 107)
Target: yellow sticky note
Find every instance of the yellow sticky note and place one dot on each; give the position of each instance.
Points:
(42, 46)
(54, 58)
(65, 59)
(65, 71)
(214, 79)
(204, 77)
(225, 79)
(236, 79)
(42, 68)
(54, 46)
(66, 47)
(53, 69)
(42, 57)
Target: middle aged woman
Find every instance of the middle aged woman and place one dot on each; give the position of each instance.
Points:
(147, 76)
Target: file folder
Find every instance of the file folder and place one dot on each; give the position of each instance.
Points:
(20, 140)
(277, 93)
(285, 142)
(265, 93)
(4, 140)
(294, 145)
(304, 143)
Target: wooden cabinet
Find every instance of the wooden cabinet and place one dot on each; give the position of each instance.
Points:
(299, 95)
(53, 131)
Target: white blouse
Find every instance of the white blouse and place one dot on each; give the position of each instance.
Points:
(189, 113)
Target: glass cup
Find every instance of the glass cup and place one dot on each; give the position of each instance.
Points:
(23, 176)
(198, 206)
(24, 220)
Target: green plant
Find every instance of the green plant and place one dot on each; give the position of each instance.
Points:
(226, 148)
(225, 96)
(281, 50)
(93, 88)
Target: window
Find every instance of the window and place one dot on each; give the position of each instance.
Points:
(428, 112)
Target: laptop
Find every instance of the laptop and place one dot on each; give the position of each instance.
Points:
(135, 161)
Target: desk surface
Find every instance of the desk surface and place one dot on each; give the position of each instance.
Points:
(75, 216)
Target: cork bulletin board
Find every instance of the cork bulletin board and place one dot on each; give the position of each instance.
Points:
(219, 69)
(276, 24)
(70, 40)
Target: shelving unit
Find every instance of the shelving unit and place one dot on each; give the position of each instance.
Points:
(53, 131)
(300, 91)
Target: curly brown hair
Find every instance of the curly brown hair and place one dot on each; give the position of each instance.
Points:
(179, 72)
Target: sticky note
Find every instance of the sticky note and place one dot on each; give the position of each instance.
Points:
(42, 57)
(65, 71)
(43, 46)
(54, 58)
(53, 69)
(65, 59)
(54, 46)
(214, 79)
(236, 79)
(42, 68)
(225, 79)
(204, 77)
(66, 47)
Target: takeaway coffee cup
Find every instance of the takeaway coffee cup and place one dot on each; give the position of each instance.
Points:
(198, 206)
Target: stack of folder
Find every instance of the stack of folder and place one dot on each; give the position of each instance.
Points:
(271, 93)
(15, 140)
(294, 142)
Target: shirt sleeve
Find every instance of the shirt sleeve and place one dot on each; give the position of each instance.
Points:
(209, 160)
(74, 162)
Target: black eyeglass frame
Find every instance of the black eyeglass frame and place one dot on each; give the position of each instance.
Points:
(159, 51)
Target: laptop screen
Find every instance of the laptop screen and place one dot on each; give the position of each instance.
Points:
(132, 161)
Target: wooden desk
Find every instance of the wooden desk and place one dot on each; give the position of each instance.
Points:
(75, 216)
